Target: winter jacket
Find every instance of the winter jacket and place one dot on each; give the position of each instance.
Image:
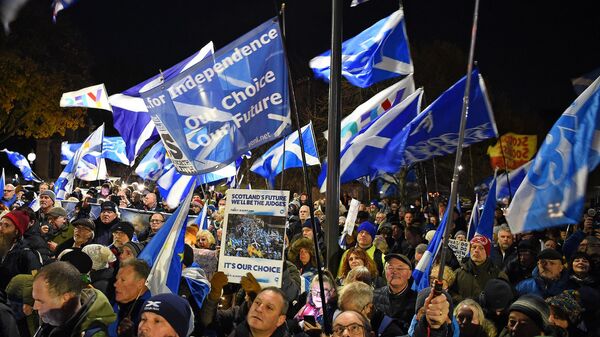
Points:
(500, 260)
(243, 330)
(422, 329)
(18, 260)
(8, 322)
(471, 279)
(91, 320)
(400, 307)
(102, 234)
(544, 288)
(104, 280)
(32, 239)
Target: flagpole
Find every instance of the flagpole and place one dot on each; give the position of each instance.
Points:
(461, 138)
(282, 13)
(327, 328)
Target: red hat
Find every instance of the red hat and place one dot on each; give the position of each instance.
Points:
(20, 219)
(484, 241)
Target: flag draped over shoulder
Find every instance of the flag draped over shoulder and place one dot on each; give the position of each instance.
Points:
(423, 268)
(85, 160)
(19, 161)
(270, 164)
(375, 107)
(91, 97)
(434, 132)
(553, 192)
(130, 113)
(164, 252)
(378, 53)
(370, 143)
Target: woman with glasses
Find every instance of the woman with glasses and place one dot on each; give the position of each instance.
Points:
(310, 318)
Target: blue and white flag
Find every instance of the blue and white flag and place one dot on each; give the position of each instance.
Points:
(202, 218)
(113, 148)
(357, 2)
(217, 110)
(423, 268)
(270, 164)
(515, 177)
(91, 97)
(474, 220)
(435, 131)
(164, 252)
(85, 160)
(553, 192)
(35, 203)
(130, 113)
(375, 107)
(59, 5)
(581, 83)
(370, 143)
(151, 167)
(485, 226)
(376, 54)
(2, 183)
(19, 161)
(67, 150)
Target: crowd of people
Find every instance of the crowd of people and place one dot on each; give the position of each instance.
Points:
(81, 276)
(251, 236)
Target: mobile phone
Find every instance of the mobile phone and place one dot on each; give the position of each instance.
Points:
(310, 320)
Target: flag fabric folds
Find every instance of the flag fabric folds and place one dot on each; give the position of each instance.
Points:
(512, 150)
(515, 177)
(19, 161)
(378, 53)
(485, 226)
(164, 252)
(85, 160)
(423, 268)
(151, 167)
(202, 219)
(130, 113)
(474, 220)
(270, 164)
(435, 131)
(581, 83)
(59, 5)
(370, 143)
(91, 97)
(375, 107)
(553, 192)
(113, 148)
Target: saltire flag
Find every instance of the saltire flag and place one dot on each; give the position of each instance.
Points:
(202, 219)
(357, 2)
(371, 142)
(581, 83)
(151, 167)
(375, 107)
(35, 203)
(553, 192)
(91, 97)
(2, 183)
(515, 177)
(59, 5)
(130, 113)
(485, 226)
(67, 150)
(19, 161)
(474, 220)
(423, 268)
(164, 252)
(272, 162)
(197, 283)
(113, 148)
(378, 53)
(93, 143)
(91, 165)
(386, 184)
(217, 110)
(435, 131)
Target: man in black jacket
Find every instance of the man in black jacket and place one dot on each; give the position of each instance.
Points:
(107, 219)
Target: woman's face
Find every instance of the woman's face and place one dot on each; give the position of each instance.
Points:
(304, 256)
(355, 261)
(203, 241)
(316, 293)
(581, 266)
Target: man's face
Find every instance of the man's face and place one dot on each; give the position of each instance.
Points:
(9, 191)
(107, 216)
(520, 325)
(380, 218)
(394, 207)
(8, 235)
(408, 218)
(373, 208)
(505, 239)
(265, 312)
(150, 200)
(348, 324)
(127, 285)
(46, 202)
(526, 258)
(550, 244)
(126, 254)
(51, 308)
(156, 222)
(82, 234)
(304, 213)
(397, 274)
(478, 254)
(364, 239)
(119, 239)
(153, 325)
(43, 187)
(550, 269)
(307, 233)
(396, 231)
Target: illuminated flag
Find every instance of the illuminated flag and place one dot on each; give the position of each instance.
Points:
(90, 97)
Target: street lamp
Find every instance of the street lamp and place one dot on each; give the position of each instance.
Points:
(31, 157)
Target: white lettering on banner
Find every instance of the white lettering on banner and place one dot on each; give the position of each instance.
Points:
(249, 91)
(176, 155)
(460, 248)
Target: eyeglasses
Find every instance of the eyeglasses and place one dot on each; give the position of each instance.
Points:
(318, 292)
(9, 191)
(396, 269)
(156, 221)
(353, 329)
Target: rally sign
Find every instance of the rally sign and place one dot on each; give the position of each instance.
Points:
(253, 235)
(460, 248)
(512, 151)
(90, 97)
(223, 106)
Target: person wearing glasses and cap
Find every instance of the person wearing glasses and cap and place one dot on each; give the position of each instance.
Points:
(9, 196)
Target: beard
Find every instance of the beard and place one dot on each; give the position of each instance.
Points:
(6, 242)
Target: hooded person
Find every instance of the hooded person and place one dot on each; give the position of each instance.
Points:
(565, 312)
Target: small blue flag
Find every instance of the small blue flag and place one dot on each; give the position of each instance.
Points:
(474, 220)
(423, 268)
(151, 167)
(553, 192)
(515, 177)
(485, 226)
(19, 161)
(202, 219)
(378, 53)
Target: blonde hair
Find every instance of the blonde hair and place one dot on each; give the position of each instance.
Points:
(209, 236)
(449, 275)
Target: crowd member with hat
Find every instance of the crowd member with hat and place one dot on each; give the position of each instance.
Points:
(58, 229)
(122, 233)
(527, 317)
(46, 199)
(476, 271)
(83, 234)
(395, 300)
(130, 251)
(15, 257)
(107, 219)
(550, 277)
(580, 271)
(495, 299)
(364, 240)
(166, 315)
(521, 267)
(565, 313)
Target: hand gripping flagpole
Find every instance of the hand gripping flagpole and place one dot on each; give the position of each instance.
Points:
(461, 138)
(327, 328)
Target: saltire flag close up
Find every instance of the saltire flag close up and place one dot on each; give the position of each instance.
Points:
(151, 167)
(485, 226)
(423, 268)
(553, 191)
(217, 110)
(113, 148)
(20, 162)
(91, 97)
(130, 113)
(378, 53)
(270, 164)
(434, 132)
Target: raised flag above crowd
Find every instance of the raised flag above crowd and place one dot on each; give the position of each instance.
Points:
(91, 97)
(512, 151)
(113, 148)
(378, 53)
(19, 161)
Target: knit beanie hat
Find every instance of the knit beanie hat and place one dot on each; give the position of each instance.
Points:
(57, 211)
(485, 242)
(369, 227)
(101, 256)
(20, 219)
(567, 303)
(174, 309)
(533, 307)
(49, 194)
(135, 247)
(125, 227)
(496, 295)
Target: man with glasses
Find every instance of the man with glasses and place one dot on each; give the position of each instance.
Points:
(157, 220)
(549, 278)
(9, 196)
(351, 324)
(395, 302)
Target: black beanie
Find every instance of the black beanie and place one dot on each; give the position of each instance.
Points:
(533, 307)
(174, 309)
(496, 295)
